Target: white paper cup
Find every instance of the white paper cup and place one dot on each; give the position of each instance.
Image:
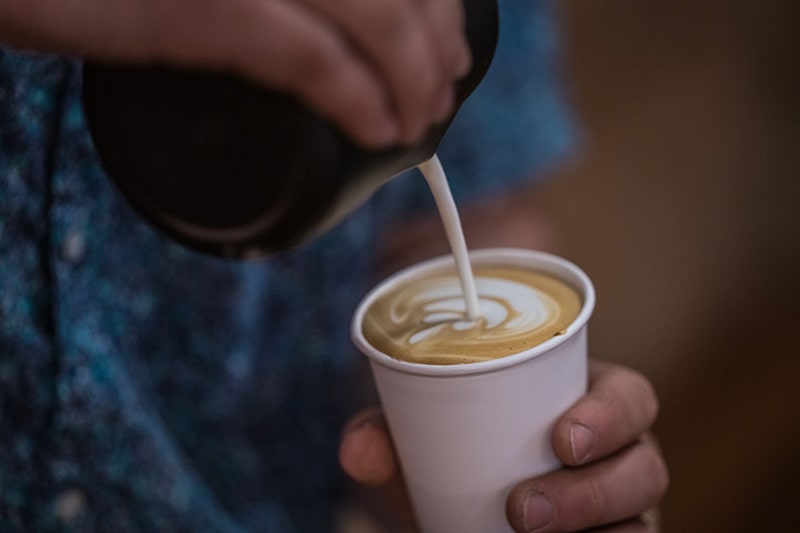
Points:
(466, 434)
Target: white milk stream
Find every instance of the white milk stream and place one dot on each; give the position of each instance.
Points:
(437, 181)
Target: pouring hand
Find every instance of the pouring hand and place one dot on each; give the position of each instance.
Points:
(383, 70)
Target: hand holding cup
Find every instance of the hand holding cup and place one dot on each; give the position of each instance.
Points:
(481, 441)
(615, 472)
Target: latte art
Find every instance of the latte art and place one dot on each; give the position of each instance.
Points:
(426, 321)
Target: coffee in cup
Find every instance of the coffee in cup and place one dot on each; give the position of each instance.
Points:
(424, 320)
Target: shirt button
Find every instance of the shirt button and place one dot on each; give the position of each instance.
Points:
(69, 504)
(73, 248)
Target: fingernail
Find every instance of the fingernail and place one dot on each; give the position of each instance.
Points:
(581, 439)
(538, 511)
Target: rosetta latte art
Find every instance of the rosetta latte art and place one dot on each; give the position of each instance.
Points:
(425, 321)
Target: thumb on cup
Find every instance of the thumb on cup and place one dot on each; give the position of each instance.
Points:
(366, 453)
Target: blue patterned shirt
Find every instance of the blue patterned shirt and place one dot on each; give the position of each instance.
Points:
(145, 387)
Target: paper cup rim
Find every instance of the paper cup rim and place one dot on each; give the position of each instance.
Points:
(543, 261)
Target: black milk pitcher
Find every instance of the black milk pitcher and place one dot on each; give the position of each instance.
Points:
(231, 168)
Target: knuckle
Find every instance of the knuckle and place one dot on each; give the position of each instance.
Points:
(427, 85)
(661, 475)
(643, 397)
(595, 500)
(656, 470)
(644, 383)
(392, 22)
(399, 38)
(649, 390)
(308, 61)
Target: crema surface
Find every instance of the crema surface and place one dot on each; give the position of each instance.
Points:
(425, 320)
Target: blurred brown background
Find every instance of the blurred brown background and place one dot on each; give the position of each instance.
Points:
(685, 210)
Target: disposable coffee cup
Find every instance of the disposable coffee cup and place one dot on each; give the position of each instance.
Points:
(466, 434)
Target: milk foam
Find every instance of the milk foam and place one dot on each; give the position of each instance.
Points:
(426, 321)
(507, 305)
